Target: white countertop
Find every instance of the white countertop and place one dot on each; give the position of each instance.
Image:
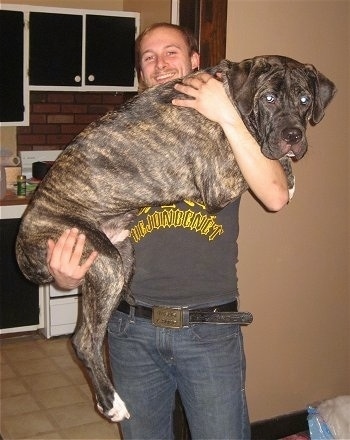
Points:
(12, 211)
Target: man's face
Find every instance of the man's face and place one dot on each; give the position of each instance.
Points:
(165, 56)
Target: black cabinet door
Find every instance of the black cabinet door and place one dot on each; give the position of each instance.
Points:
(110, 50)
(19, 298)
(55, 49)
(11, 66)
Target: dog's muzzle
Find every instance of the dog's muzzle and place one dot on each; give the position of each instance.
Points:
(179, 317)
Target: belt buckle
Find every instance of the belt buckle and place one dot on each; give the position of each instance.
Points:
(167, 317)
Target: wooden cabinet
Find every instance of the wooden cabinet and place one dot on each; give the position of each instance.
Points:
(14, 94)
(89, 51)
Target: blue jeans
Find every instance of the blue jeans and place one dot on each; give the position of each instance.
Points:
(205, 362)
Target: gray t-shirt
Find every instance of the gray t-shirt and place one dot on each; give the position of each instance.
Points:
(185, 256)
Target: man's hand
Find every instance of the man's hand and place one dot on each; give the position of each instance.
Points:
(64, 257)
(209, 98)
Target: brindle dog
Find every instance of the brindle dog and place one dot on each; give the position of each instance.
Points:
(151, 152)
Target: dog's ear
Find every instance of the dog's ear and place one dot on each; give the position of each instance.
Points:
(223, 67)
(242, 81)
(323, 90)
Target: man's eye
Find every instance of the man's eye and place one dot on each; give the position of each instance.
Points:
(270, 98)
(305, 100)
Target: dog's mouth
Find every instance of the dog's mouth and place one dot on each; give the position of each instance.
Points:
(293, 143)
(295, 151)
(290, 142)
(283, 149)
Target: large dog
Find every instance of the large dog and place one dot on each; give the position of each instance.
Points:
(153, 153)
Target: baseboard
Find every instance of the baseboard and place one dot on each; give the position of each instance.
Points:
(281, 426)
(269, 429)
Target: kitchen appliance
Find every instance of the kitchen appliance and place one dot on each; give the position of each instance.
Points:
(30, 157)
(39, 169)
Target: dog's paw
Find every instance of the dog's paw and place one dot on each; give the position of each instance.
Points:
(118, 412)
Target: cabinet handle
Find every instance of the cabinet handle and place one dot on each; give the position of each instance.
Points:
(77, 78)
(91, 78)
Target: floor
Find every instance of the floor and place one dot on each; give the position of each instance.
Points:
(44, 394)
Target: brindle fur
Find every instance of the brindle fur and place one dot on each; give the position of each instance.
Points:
(153, 153)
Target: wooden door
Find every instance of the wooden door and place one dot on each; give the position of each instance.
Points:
(207, 20)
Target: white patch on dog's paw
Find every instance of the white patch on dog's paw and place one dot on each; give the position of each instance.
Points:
(118, 412)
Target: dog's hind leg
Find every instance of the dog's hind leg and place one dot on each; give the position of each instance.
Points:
(101, 293)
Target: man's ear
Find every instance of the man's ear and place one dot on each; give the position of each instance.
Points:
(142, 86)
(141, 76)
(195, 60)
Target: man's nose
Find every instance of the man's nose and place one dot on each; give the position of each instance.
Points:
(161, 62)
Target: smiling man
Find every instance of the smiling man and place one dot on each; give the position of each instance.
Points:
(181, 265)
(163, 56)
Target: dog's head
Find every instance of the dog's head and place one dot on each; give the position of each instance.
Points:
(276, 97)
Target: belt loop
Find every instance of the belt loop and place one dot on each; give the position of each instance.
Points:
(185, 317)
(132, 314)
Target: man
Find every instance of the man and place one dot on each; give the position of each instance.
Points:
(185, 258)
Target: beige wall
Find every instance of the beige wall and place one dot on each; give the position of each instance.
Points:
(294, 265)
(152, 11)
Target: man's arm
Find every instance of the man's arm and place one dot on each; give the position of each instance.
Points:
(264, 176)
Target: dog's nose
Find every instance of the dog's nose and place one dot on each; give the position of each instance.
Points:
(292, 135)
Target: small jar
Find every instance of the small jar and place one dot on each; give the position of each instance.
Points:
(21, 186)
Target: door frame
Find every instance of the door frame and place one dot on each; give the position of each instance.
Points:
(207, 19)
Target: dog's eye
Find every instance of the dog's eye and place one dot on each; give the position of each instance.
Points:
(305, 100)
(270, 98)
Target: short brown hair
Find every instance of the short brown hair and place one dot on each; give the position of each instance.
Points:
(189, 38)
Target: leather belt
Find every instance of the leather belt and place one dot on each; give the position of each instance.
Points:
(179, 317)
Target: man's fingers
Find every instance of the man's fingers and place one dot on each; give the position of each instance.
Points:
(75, 248)
(55, 249)
(89, 262)
(197, 80)
(67, 251)
(50, 248)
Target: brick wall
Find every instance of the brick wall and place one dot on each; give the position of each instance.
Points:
(57, 117)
